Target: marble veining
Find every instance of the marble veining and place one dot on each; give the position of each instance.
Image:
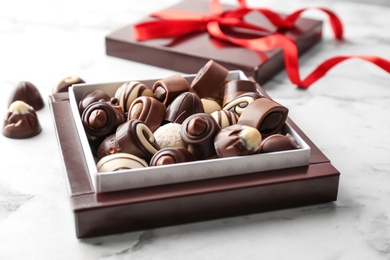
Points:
(346, 114)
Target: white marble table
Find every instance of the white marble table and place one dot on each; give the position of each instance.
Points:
(346, 114)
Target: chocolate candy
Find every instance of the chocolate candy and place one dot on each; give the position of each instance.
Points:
(238, 104)
(167, 89)
(198, 132)
(149, 110)
(209, 79)
(106, 146)
(129, 91)
(21, 121)
(92, 97)
(210, 105)
(183, 106)
(64, 84)
(235, 88)
(171, 156)
(28, 93)
(278, 142)
(102, 118)
(225, 118)
(264, 114)
(237, 140)
(168, 136)
(120, 161)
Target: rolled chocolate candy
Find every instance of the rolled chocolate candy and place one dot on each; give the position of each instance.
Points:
(167, 89)
(235, 88)
(278, 142)
(210, 105)
(135, 137)
(183, 106)
(27, 92)
(129, 91)
(237, 140)
(265, 115)
(92, 97)
(225, 118)
(241, 102)
(168, 136)
(209, 79)
(102, 118)
(21, 121)
(149, 110)
(198, 132)
(120, 161)
(171, 156)
(64, 84)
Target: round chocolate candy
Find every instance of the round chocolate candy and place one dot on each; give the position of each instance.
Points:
(120, 161)
(149, 110)
(28, 93)
(168, 136)
(171, 156)
(278, 142)
(21, 121)
(167, 89)
(265, 115)
(225, 118)
(237, 140)
(241, 102)
(64, 84)
(210, 105)
(198, 132)
(235, 88)
(129, 91)
(209, 79)
(102, 118)
(107, 146)
(183, 106)
(92, 97)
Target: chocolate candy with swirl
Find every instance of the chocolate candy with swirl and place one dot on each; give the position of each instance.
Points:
(235, 88)
(149, 110)
(239, 104)
(171, 156)
(129, 91)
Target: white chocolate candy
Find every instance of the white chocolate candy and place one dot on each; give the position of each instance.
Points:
(19, 107)
(210, 105)
(120, 161)
(251, 138)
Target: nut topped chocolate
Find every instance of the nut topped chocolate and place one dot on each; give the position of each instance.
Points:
(21, 121)
(28, 93)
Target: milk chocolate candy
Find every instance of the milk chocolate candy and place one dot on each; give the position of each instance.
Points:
(209, 79)
(235, 88)
(28, 93)
(237, 140)
(277, 143)
(149, 110)
(129, 91)
(106, 146)
(171, 156)
(185, 105)
(134, 137)
(92, 97)
(168, 136)
(225, 118)
(210, 105)
(64, 84)
(239, 104)
(198, 132)
(120, 161)
(21, 121)
(265, 115)
(167, 89)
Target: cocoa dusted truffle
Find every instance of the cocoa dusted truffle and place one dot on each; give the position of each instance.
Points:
(149, 110)
(183, 106)
(167, 89)
(171, 156)
(28, 93)
(129, 91)
(64, 84)
(92, 97)
(277, 143)
(21, 121)
(168, 136)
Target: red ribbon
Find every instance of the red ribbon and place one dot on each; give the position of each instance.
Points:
(174, 23)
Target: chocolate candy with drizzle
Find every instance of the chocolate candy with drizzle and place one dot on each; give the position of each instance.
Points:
(167, 89)
(149, 110)
(239, 104)
(235, 88)
(129, 91)
(278, 142)
(198, 132)
(120, 161)
(225, 118)
(183, 106)
(28, 93)
(171, 156)
(64, 84)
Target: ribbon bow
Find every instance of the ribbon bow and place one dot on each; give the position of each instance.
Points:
(175, 23)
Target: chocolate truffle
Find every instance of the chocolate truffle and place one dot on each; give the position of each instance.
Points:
(278, 142)
(235, 88)
(210, 105)
(198, 132)
(237, 140)
(129, 91)
(241, 102)
(183, 106)
(264, 114)
(168, 136)
(149, 110)
(120, 161)
(64, 84)
(21, 121)
(167, 89)
(225, 118)
(92, 97)
(28, 93)
(171, 156)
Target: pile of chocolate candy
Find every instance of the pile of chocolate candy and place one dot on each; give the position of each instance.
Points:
(174, 121)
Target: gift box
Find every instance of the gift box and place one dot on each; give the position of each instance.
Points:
(189, 52)
(312, 180)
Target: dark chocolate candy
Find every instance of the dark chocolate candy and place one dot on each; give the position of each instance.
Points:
(149, 110)
(198, 132)
(129, 91)
(92, 97)
(239, 104)
(278, 142)
(170, 156)
(108, 146)
(264, 114)
(21, 121)
(235, 88)
(167, 89)
(64, 84)
(185, 105)
(28, 93)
